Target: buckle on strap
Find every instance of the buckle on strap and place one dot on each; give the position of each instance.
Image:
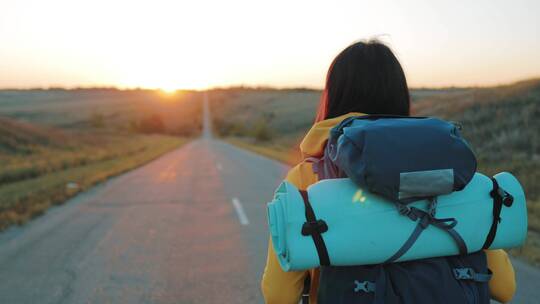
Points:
(403, 209)
(410, 212)
(463, 273)
(318, 226)
(498, 193)
(365, 286)
(469, 274)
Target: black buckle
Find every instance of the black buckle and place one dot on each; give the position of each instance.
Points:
(501, 194)
(403, 209)
(507, 198)
(318, 226)
(425, 220)
(463, 273)
(364, 286)
(410, 212)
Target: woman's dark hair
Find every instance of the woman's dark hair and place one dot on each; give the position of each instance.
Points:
(365, 77)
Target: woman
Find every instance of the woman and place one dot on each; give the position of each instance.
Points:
(365, 78)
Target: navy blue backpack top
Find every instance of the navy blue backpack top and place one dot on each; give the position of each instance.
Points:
(404, 159)
(400, 158)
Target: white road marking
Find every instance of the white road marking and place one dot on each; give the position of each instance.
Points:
(240, 212)
(219, 167)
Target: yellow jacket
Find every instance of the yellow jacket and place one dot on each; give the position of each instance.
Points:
(281, 287)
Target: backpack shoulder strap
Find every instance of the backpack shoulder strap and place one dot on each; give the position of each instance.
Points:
(317, 166)
(306, 289)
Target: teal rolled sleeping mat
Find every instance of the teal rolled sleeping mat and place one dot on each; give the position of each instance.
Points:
(364, 228)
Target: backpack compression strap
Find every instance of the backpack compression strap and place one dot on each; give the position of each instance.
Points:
(500, 197)
(305, 290)
(424, 220)
(315, 228)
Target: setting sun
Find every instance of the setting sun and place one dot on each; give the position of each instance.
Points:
(169, 90)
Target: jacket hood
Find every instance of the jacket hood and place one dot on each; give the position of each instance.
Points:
(315, 140)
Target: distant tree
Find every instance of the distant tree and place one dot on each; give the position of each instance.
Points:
(262, 132)
(97, 120)
(133, 125)
(152, 124)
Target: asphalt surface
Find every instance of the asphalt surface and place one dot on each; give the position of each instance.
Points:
(188, 227)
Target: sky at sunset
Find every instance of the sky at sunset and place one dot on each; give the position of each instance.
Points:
(200, 44)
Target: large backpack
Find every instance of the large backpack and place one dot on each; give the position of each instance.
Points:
(403, 159)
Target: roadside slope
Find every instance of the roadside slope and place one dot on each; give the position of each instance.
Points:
(43, 166)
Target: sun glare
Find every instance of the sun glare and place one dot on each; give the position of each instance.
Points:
(169, 90)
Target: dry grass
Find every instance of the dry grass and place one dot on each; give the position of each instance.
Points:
(25, 198)
(531, 249)
(37, 162)
(49, 138)
(109, 109)
(285, 114)
(270, 150)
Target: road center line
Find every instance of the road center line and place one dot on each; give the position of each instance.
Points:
(240, 212)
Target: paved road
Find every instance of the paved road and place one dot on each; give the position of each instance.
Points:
(186, 228)
(167, 232)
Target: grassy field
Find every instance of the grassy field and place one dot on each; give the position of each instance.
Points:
(43, 166)
(109, 109)
(56, 143)
(501, 123)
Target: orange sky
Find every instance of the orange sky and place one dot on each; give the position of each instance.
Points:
(199, 44)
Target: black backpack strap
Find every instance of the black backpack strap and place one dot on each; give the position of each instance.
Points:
(315, 228)
(500, 197)
(305, 290)
(408, 244)
(316, 166)
(380, 286)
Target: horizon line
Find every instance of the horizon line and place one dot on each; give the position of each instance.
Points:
(244, 86)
